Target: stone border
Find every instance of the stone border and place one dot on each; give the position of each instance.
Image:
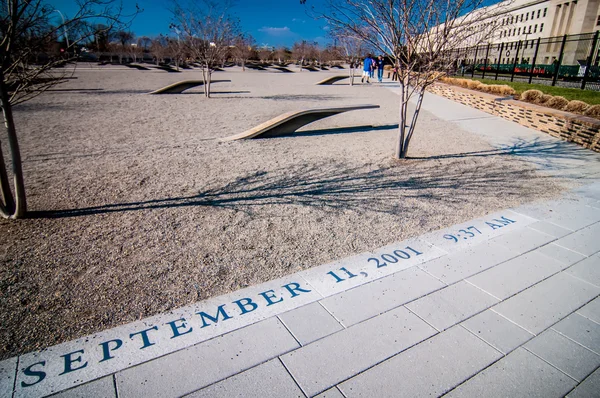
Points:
(581, 130)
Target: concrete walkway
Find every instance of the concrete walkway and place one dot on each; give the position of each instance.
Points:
(503, 305)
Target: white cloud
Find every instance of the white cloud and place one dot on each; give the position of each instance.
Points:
(285, 31)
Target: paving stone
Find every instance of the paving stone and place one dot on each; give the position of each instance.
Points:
(564, 354)
(591, 310)
(267, 380)
(565, 256)
(476, 231)
(497, 331)
(331, 393)
(584, 241)
(519, 374)
(542, 305)
(333, 278)
(581, 330)
(588, 388)
(569, 214)
(310, 323)
(451, 305)
(589, 190)
(588, 270)
(513, 276)
(8, 369)
(550, 229)
(523, 240)
(101, 388)
(326, 362)
(461, 265)
(428, 369)
(384, 294)
(193, 368)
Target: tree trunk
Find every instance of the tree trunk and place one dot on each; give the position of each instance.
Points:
(7, 201)
(20, 204)
(399, 152)
(352, 74)
(413, 124)
(243, 66)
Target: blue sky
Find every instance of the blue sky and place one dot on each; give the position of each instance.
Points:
(270, 22)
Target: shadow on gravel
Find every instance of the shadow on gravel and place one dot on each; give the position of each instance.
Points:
(300, 97)
(384, 189)
(343, 130)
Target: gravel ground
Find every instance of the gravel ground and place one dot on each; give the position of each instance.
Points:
(137, 208)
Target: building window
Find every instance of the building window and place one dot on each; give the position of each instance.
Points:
(527, 17)
(535, 28)
(514, 31)
(521, 17)
(538, 15)
(529, 30)
(545, 10)
(541, 27)
(598, 20)
(519, 32)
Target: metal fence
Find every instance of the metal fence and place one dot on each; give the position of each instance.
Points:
(566, 61)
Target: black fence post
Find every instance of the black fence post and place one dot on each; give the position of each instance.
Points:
(474, 61)
(537, 47)
(487, 53)
(560, 57)
(512, 73)
(464, 62)
(499, 60)
(590, 60)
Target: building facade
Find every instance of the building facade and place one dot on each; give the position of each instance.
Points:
(520, 24)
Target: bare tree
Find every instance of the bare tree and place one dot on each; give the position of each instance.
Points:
(26, 30)
(243, 48)
(124, 39)
(159, 48)
(353, 49)
(419, 36)
(302, 51)
(209, 31)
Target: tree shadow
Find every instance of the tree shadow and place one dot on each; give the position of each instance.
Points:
(547, 153)
(338, 186)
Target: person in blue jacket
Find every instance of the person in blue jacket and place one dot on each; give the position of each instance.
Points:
(367, 66)
(380, 63)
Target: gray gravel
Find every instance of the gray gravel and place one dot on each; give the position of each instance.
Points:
(138, 209)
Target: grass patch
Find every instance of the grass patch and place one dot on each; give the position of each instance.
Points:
(588, 96)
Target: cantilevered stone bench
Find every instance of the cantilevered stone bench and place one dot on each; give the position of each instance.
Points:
(289, 122)
(333, 79)
(179, 87)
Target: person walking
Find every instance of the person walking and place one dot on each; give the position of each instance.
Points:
(367, 66)
(373, 67)
(380, 65)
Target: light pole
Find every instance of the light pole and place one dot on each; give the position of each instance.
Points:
(64, 28)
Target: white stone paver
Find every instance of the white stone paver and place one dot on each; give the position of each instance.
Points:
(591, 310)
(331, 393)
(568, 214)
(588, 388)
(520, 374)
(310, 323)
(544, 304)
(513, 276)
(269, 379)
(324, 363)
(428, 369)
(104, 388)
(565, 256)
(8, 369)
(564, 354)
(523, 240)
(580, 330)
(451, 305)
(188, 370)
(584, 241)
(384, 294)
(497, 331)
(588, 269)
(474, 259)
(550, 229)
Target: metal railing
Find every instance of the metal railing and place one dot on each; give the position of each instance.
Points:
(567, 61)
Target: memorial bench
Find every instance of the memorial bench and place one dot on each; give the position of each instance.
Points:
(332, 79)
(289, 122)
(179, 87)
